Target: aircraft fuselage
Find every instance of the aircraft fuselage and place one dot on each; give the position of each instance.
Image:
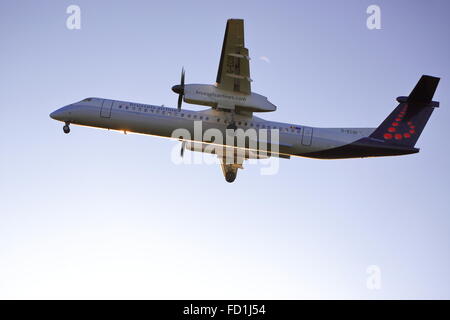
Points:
(293, 139)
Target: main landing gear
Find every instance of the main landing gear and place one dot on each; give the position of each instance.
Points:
(230, 176)
(230, 170)
(66, 128)
(232, 126)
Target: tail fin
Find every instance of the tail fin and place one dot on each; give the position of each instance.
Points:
(405, 124)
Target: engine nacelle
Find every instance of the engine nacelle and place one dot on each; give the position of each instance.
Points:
(210, 95)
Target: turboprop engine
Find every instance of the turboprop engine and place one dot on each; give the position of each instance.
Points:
(210, 95)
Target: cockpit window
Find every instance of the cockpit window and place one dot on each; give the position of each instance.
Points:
(87, 99)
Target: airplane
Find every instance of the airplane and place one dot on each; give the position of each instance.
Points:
(230, 114)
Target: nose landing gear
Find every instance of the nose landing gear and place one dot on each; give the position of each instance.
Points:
(66, 128)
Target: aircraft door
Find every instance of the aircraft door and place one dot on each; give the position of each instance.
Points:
(105, 111)
(307, 136)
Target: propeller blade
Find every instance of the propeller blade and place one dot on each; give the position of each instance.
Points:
(182, 77)
(183, 145)
(180, 100)
(179, 88)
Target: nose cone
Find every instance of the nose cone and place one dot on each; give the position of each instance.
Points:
(58, 115)
(178, 89)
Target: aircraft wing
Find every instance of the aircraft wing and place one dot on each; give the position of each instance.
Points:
(234, 66)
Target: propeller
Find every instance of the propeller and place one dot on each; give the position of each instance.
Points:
(179, 88)
(183, 146)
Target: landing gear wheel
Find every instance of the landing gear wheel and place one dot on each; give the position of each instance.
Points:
(230, 176)
(66, 129)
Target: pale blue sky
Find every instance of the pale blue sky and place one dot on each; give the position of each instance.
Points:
(97, 214)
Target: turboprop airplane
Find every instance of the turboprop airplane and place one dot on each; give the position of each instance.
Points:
(230, 130)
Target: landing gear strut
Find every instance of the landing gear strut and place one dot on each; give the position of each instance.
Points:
(232, 125)
(66, 128)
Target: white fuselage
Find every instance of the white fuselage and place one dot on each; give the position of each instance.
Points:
(163, 121)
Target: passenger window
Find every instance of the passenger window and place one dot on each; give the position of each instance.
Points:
(126, 107)
(188, 115)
